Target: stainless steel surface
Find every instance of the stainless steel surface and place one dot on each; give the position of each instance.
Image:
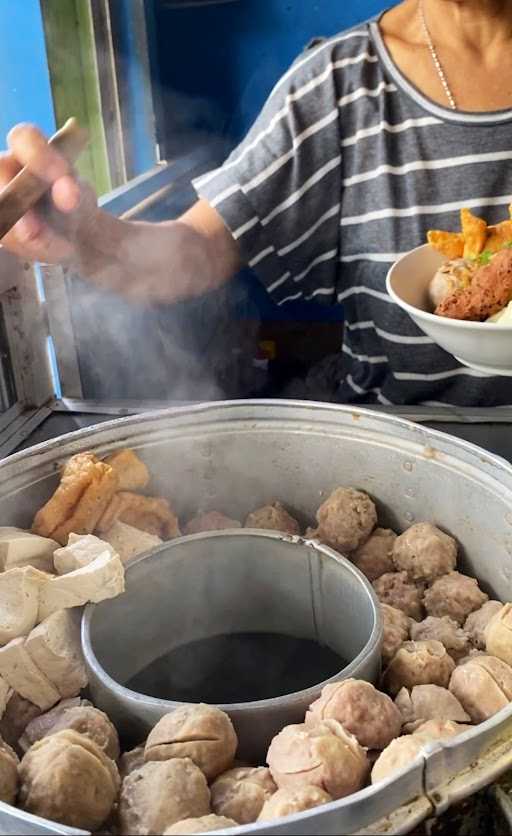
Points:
(229, 582)
(234, 456)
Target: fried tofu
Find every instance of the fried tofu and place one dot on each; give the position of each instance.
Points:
(131, 471)
(148, 513)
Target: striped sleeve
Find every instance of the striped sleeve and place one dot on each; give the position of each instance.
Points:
(279, 191)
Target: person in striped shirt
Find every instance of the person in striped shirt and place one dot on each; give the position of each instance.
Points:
(371, 138)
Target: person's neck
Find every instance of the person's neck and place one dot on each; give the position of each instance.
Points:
(474, 25)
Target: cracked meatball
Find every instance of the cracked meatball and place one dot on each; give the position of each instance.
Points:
(396, 590)
(287, 802)
(366, 713)
(429, 702)
(241, 793)
(374, 558)
(325, 756)
(444, 630)
(476, 623)
(418, 663)
(346, 519)
(483, 686)
(274, 517)
(425, 552)
(202, 733)
(454, 595)
(396, 631)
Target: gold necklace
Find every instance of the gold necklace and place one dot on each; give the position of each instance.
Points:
(435, 57)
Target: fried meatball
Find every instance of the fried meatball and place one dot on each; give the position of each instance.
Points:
(425, 552)
(210, 521)
(274, 517)
(476, 623)
(346, 519)
(158, 795)
(374, 558)
(418, 663)
(396, 631)
(368, 714)
(287, 802)
(489, 292)
(241, 793)
(396, 590)
(326, 756)
(428, 702)
(483, 686)
(202, 733)
(444, 630)
(454, 595)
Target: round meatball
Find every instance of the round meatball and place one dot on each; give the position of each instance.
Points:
(202, 733)
(396, 626)
(444, 630)
(158, 795)
(476, 623)
(498, 635)
(274, 517)
(454, 595)
(369, 715)
(204, 824)
(288, 802)
(43, 724)
(440, 729)
(326, 756)
(67, 778)
(418, 663)
(396, 590)
(428, 702)
(94, 724)
(8, 773)
(425, 552)
(483, 686)
(399, 755)
(346, 519)
(374, 558)
(240, 793)
(210, 521)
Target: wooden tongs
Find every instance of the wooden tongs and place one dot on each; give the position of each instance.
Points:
(25, 189)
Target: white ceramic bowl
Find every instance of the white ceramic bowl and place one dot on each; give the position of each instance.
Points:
(484, 346)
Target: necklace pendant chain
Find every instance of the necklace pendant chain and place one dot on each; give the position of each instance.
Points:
(435, 57)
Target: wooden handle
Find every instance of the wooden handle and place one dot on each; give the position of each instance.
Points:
(25, 190)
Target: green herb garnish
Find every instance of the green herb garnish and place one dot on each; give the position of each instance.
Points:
(485, 257)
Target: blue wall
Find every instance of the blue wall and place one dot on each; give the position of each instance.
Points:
(25, 93)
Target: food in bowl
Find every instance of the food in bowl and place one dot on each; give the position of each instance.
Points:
(475, 283)
(162, 785)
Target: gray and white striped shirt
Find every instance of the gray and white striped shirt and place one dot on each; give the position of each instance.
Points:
(346, 168)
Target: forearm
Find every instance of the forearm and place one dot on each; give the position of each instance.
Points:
(163, 262)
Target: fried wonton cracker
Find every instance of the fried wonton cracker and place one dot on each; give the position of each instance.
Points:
(449, 244)
(132, 472)
(474, 231)
(498, 236)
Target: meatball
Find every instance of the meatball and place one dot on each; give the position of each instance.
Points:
(211, 521)
(396, 631)
(440, 729)
(8, 773)
(444, 630)
(130, 761)
(18, 714)
(425, 552)
(325, 756)
(428, 702)
(43, 724)
(158, 795)
(346, 519)
(274, 517)
(399, 755)
(476, 623)
(287, 802)
(94, 724)
(369, 715)
(67, 778)
(202, 733)
(204, 824)
(483, 686)
(418, 663)
(498, 635)
(454, 595)
(241, 793)
(374, 558)
(396, 590)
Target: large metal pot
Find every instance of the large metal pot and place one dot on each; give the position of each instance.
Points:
(235, 456)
